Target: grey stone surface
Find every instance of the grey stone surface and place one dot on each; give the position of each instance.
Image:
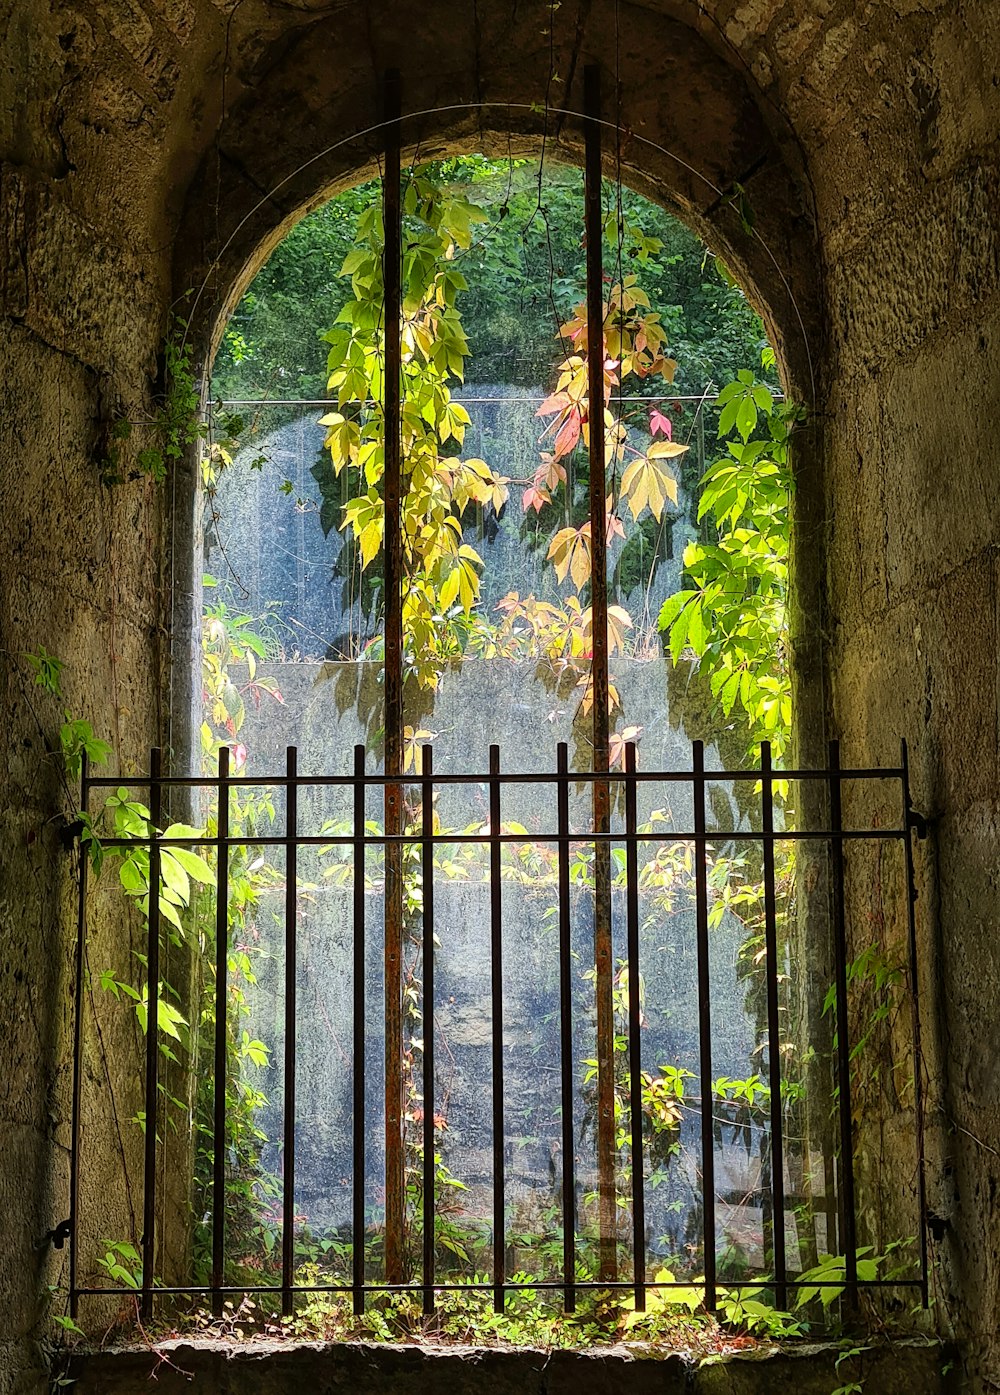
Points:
(479, 701)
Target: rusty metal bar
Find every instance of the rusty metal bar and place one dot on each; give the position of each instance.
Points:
(79, 966)
(395, 1182)
(221, 1004)
(913, 823)
(148, 1245)
(773, 1028)
(427, 889)
(634, 1026)
(849, 1237)
(291, 975)
(600, 683)
(566, 1033)
(496, 1033)
(359, 1063)
(594, 227)
(704, 1023)
(766, 1193)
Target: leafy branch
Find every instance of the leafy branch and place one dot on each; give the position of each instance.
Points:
(731, 613)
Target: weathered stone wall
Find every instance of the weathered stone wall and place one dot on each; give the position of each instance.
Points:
(122, 121)
(912, 627)
(80, 577)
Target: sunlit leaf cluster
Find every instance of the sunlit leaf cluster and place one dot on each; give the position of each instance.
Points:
(731, 612)
(442, 570)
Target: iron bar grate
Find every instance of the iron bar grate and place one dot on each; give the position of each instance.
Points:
(425, 839)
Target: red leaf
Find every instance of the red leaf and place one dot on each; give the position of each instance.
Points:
(534, 498)
(569, 434)
(658, 422)
(555, 403)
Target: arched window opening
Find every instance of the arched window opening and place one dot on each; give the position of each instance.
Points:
(507, 983)
(498, 598)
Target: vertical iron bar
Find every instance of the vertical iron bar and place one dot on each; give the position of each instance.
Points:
(846, 1170)
(392, 444)
(832, 1236)
(360, 970)
(152, 1035)
(766, 1193)
(704, 1023)
(918, 1092)
(291, 976)
(603, 945)
(221, 1034)
(566, 1032)
(393, 717)
(496, 972)
(634, 1023)
(773, 1028)
(74, 1156)
(427, 886)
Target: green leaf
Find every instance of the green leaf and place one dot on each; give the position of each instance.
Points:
(195, 866)
(132, 878)
(174, 877)
(672, 607)
(168, 1019)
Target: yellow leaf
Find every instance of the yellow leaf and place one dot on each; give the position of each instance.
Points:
(449, 587)
(645, 483)
(371, 541)
(579, 568)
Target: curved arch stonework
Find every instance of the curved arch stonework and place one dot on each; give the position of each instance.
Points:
(690, 129)
(154, 147)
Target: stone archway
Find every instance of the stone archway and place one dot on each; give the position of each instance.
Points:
(685, 126)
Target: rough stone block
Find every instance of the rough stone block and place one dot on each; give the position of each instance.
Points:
(129, 24)
(177, 15)
(894, 1369)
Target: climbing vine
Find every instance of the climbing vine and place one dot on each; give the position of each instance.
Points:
(174, 425)
(441, 569)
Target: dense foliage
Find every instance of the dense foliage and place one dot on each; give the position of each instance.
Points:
(526, 266)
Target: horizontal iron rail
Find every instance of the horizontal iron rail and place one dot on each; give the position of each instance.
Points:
(347, 840)
(532, 777)
(465, 401)
(417, 1287)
